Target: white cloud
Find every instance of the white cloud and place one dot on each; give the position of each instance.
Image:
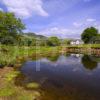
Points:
(60, 32)
(98, 27)
(72, 32)
(85, 23)
(77, 24)
(90, 20)
(25, 8)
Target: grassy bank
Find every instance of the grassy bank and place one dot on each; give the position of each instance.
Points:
(85, 46)
(10, 54)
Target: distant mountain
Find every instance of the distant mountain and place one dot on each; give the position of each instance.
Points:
(35, 35)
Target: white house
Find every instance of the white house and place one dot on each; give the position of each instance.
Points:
(76, 42)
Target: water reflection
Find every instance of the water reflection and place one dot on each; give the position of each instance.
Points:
(95, 58)
(62, 77)
(89, 63)
(53, 57)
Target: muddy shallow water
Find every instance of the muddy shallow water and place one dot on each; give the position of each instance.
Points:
(65, 77)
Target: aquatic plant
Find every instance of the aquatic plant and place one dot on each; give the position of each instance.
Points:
(32, 85)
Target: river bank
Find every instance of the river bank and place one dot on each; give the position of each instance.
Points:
(85, 49)
(11, 78)
(15, 55)
(11, 60)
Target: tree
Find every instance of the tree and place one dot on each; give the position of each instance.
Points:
(10, 26)
(53, 41)
(88, 34)
(65, 42)
(8, 40)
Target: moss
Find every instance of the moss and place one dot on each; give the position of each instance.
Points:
(10, 76)
(6, 91)
(32, 85)
(26, 97)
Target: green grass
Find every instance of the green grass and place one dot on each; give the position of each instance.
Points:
(6, 91)
(85, 46)
(9, 54)
(10, 76)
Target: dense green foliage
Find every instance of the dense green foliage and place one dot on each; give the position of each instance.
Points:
(53, 41)
(10, 27)
(88, 34)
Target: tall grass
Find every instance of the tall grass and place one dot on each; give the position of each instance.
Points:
(9, 54)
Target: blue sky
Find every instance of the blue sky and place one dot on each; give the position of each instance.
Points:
(62, 18)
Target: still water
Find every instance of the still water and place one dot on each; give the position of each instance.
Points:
(65, 77)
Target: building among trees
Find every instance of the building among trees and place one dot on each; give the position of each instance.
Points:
(76, 42)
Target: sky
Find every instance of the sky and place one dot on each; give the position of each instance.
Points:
(61, 18)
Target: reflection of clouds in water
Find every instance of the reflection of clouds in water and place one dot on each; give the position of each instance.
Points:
(77, 55)
(98, 66)
(55, 65)
(63, 60)
(73, 59)
(76, 69)
(48, 61)
(90, 73)
(72, 62)
(67, 61)
(45, 60)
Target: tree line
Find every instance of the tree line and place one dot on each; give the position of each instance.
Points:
(11, 33)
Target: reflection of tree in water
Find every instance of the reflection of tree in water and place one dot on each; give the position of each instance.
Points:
(88, 63)
(67, 54)
(53, 57)
(96, 58)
